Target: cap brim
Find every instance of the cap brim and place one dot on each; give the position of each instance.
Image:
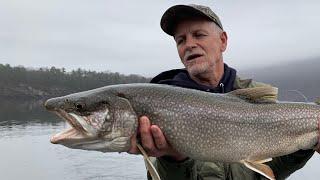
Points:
(175, 14)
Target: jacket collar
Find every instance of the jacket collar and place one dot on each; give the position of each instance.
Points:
(181, 78)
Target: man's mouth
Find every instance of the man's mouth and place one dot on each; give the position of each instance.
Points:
(193, 57)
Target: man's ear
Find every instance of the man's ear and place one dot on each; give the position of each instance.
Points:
(224, 41)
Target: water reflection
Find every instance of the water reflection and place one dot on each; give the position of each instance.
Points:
(13, 112)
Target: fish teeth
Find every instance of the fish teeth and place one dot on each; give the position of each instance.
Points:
(84, 124)
(63, 135)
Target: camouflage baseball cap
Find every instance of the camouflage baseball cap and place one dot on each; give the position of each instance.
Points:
(180, 12)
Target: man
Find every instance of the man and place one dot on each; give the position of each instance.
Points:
(201, 41)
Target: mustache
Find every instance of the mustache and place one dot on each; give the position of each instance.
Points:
(190, 55)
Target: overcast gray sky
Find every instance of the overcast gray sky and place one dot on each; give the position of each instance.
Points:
(125, 36)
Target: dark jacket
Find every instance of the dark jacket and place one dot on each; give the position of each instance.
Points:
(180, 77)
(191, 169)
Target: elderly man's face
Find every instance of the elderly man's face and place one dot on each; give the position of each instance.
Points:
(200, 45)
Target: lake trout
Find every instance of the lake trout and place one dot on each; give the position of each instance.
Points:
(241, 126)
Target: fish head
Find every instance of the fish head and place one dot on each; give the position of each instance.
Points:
(99, 120)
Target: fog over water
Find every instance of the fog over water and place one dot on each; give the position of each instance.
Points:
(125, 36)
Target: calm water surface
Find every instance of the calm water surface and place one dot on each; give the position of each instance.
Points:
(26, 153)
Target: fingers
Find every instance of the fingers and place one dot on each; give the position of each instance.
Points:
(152, 140)
(133, 148)
(146, 136)
(162, 145)
(159, 139)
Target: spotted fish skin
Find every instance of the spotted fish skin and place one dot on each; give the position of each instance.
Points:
(201, 125)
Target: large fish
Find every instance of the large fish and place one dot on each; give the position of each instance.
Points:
(205, 126)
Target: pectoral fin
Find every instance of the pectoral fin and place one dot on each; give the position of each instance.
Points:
(263, 160)
(260, 168)
(150, 168)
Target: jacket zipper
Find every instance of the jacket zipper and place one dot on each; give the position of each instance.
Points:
(221, 85)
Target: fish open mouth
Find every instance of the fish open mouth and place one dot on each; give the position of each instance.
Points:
(76, 131)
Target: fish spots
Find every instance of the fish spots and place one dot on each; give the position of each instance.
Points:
(210, 126)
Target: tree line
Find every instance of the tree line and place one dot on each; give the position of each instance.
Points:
(58, 79)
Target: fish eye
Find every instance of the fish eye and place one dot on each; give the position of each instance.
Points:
(79, 106)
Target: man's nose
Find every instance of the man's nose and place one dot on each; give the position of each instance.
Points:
(190, 43)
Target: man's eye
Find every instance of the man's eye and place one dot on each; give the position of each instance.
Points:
(179, 41)
(200, 35)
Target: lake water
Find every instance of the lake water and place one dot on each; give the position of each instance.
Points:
(26, 153)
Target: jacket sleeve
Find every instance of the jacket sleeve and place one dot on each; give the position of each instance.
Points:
(171, 170)
(189, 169)
(247, 83)
(283, 166)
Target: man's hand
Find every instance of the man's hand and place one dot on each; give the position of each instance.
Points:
(153, 141)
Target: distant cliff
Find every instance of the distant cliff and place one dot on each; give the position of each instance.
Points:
(22, 83)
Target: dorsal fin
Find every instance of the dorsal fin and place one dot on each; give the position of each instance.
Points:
(317, 101)
(265, 94)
